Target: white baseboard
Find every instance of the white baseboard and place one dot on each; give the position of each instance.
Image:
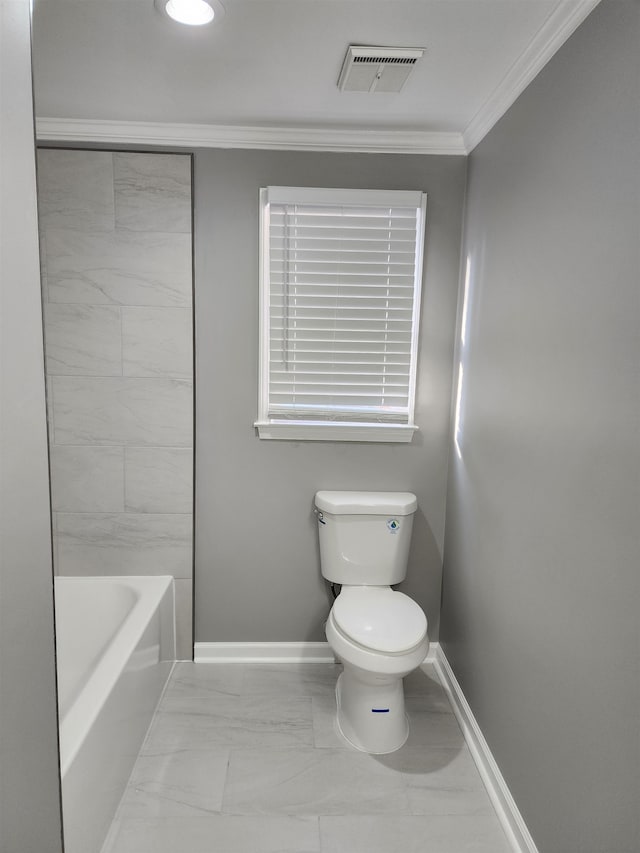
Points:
(431, 654)
(263, 653)
(274, 653)
(504, 804)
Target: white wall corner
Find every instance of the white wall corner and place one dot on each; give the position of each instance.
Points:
(505, 806)
(561, 23)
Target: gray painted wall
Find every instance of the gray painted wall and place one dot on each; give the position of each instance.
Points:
(257, 573)
(29, 778)
(541, 582)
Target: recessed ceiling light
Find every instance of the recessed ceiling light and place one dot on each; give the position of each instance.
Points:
(194, 13)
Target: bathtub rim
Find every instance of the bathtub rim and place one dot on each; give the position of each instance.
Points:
(83, 713)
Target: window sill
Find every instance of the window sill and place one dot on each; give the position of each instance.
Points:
(314, 431)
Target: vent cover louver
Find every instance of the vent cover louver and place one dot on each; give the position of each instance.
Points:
(377, 69)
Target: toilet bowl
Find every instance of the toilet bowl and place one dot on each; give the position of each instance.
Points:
(380, 636)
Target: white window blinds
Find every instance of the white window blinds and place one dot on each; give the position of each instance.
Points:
(342, 274)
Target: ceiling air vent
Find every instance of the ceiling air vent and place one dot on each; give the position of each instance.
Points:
(377, 69)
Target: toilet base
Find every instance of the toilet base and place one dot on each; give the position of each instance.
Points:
(371, 713)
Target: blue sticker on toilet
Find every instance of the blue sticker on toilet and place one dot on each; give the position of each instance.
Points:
(394, 525)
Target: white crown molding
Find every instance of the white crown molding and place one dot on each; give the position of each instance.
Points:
(231, 136)
(505, 806)
(560, 24)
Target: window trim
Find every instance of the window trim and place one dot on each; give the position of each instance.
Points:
(308, 430)
(327, 431)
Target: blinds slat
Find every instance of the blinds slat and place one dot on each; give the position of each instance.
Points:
(343, 254)
(382, 327)
(395, 373)
(295, 266)
(389, 221)
(313, 353)
(352, 276)
(316, 356)
(330, 388)
(374, 368)
(345, 302)
(407, 235)
(300, 316)
(390, 410)
(345, 342)
(346, 336)
(353, 396)
(343, 290)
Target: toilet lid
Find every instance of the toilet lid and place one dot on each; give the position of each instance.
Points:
(380, 619)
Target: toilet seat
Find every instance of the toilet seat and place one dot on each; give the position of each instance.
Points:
(379, 619)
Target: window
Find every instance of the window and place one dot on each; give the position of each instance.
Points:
(340, 282)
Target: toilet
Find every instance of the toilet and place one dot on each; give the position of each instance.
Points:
(380, 635)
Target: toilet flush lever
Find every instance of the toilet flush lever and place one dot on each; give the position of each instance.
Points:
(320, 516)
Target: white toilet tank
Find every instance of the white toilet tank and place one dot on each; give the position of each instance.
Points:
(365, 536)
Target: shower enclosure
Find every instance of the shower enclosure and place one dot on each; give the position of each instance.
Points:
(116, 261)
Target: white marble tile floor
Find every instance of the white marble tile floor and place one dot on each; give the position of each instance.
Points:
(246, 759)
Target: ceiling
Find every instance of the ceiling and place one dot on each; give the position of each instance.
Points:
(271, 67)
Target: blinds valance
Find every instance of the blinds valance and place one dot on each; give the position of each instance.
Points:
(342, 274)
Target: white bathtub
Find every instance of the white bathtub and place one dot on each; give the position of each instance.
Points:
(115, 643)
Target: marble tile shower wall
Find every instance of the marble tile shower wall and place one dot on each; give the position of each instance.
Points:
(117, 294)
